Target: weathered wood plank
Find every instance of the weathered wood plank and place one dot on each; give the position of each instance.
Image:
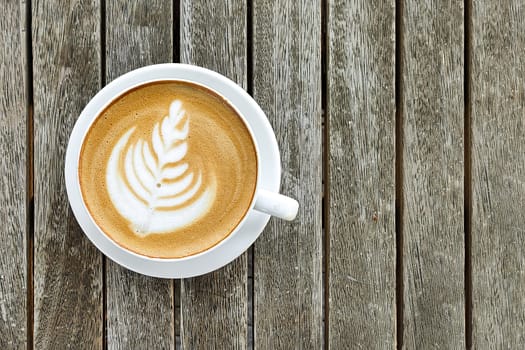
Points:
(498, 174)
(67, 273)
(361, 121)
(140, 312)
(13, 148)
(288, 292)
(214, 306)
(433, 236)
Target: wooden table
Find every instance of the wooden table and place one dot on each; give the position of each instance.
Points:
(402, 130)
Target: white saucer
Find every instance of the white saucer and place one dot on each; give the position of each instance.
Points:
(229, 249)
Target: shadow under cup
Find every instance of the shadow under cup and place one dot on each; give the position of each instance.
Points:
(168, 169)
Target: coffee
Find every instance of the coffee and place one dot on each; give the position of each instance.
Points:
(168, 169)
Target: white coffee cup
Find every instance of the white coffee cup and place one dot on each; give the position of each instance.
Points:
(266, 201)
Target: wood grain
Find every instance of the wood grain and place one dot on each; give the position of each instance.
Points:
(433, 236)
(361, 122)
(288, 293)
(214, 306)
(140, 312)
(13, 148)
(67, 267)
(498, 174)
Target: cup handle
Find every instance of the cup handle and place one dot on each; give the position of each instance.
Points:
(276, 205)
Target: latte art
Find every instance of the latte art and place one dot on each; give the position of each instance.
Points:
(168, 169)
(149, 182)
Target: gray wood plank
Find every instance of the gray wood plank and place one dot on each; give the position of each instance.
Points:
(140, 312)
(288, 287)
(498, 174)
(361, 121)
(433, 235)
(13, 193)
(67, 267)
(214, 306)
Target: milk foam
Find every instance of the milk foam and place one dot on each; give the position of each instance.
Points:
(152, 186)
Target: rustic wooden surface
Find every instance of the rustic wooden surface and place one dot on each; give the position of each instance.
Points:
(361, 153)
(288, 256)
(214, 307)
(433, 232)
(140, 313)
(67, 267)
(15, 180)
(411, 225)
(498, 174)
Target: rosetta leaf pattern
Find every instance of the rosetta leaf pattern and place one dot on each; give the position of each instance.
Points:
(156, 182)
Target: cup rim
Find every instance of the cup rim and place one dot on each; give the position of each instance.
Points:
(97, 114)
(207, 260)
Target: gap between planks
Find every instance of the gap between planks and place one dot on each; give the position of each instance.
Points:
(175, 20)
(30, 227)
(467, 177)
(325, 224)
(399, 199)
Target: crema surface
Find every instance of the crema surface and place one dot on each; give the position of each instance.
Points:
(168, 169)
